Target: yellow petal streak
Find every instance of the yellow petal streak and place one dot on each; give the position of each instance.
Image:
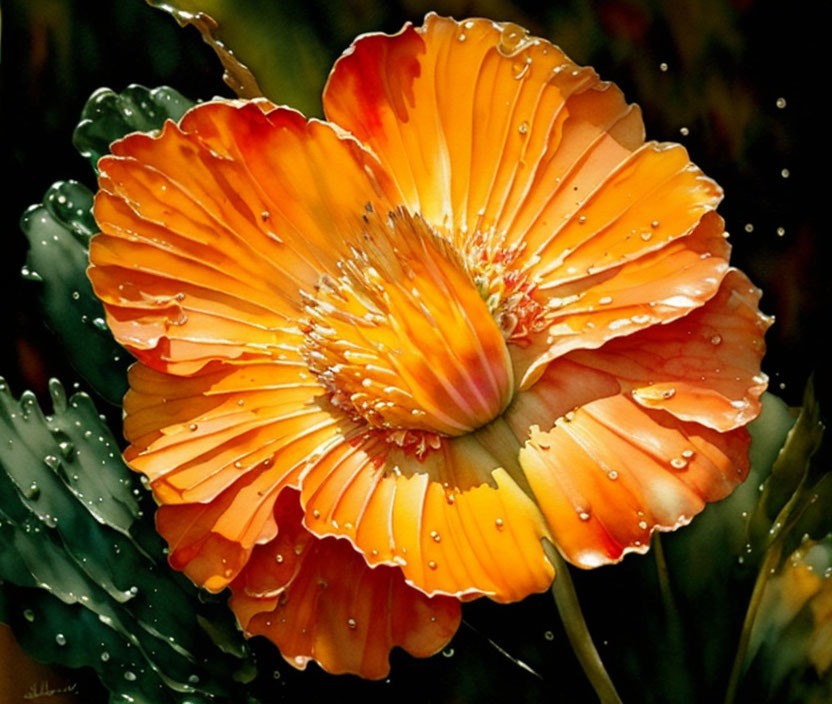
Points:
(402, 337)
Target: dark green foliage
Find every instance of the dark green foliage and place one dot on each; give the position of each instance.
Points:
(80, 589)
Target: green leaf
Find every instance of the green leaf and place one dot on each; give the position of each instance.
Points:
(85, 591)
(58, 231)
(108, 116)
(790, 483)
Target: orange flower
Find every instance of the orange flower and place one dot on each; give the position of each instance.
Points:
(472, 310)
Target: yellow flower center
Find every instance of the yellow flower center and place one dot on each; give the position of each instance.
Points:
(403, 339)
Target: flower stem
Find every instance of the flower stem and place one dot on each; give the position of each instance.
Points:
(676, 672)
(771, 558)
(576, 630)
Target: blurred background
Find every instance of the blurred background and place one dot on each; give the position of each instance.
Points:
(738, 82)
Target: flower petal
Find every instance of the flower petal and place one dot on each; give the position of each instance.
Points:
(704, 367)
(217, 449)
(456, 521)
(319, 600)
(211, 229)
(660, 287)
(461, 113)
(534, 168)
(610, 472)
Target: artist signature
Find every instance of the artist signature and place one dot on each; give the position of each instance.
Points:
(42, 689)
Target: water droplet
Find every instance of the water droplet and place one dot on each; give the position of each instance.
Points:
(276, 675)
(50, 520)
(351, 623)
(60, 639)
(716, 339)
(548, 635)
(193, 679)
(32, 492)
(316, 513)
(612, 474)
(523, 128)
(668, 393)
(499, 523)
(785, 173)
(687, 454)
(436, 537)
(749, 227)
(663, 67)
(781, 231)
(99, 323)
(448, 652)
(654, 224)
(105, 656)
(684, 131)
(432, 565)
(646, 236)
(29, 615)
(462, 37)
(75, 295)
(606, 300)
(583, 515)
(192, 427)
(130, 676)
(51, 461)
(582, 219)
(678, 463)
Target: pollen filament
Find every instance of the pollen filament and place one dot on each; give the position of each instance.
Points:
(402, 338)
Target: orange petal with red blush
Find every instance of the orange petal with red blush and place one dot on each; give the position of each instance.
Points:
(465, 115)
(319, 600)
(456, 521)
(218, 448)
(704, 367)
(611, 472)
(652, 290)
(211, 229)
(535, 170)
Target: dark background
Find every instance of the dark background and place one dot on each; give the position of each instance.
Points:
(728, 63)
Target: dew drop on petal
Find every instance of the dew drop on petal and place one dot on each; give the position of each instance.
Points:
(60, 639)
(781, 103)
